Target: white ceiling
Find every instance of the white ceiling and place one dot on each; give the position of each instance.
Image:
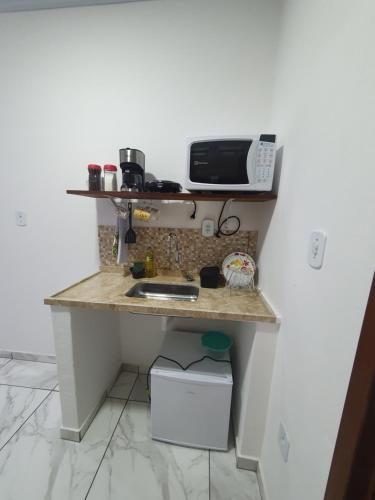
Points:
(18, 5)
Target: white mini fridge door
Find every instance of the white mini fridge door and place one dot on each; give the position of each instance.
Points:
(189, 410)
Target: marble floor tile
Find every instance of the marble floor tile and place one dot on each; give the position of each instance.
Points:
(37, 465)
(123, 385)
(4, 361)
(139, 392)
(29, 374)
(229, 482)
(137, 468)
(16, 405)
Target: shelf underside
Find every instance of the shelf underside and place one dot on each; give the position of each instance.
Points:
(217, 196)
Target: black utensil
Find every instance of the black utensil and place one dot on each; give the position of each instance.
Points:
(130, 236)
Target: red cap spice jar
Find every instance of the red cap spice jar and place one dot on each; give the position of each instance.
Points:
(94, 177)
(110, 178)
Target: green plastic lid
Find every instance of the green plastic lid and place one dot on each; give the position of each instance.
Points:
(216, 341)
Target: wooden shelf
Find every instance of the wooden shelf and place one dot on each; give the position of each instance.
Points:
(237, 196)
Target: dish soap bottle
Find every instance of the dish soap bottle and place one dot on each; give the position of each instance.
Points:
(150, 268)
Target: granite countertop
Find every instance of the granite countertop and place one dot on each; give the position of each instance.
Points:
(106, 290)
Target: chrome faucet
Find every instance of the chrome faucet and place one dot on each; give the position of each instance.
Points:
(171, 237)
(177, 254)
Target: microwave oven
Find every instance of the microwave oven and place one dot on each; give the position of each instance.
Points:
(231, 163)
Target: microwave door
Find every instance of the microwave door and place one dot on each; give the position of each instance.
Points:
(231, 163)
(220, 163)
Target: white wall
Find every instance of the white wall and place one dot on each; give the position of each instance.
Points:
(253, 365)
(324, 110)
(78, 84)
(142, 336)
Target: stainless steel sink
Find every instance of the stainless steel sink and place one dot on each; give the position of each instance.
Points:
(163, 291)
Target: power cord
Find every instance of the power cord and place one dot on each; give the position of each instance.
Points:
(221, 223)
(184, 368)
(192, 216)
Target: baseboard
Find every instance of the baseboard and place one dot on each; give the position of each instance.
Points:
(247, 463)
(244, 461)
(28, 356)
(261, 484)
(128, 367)
(76, 435)
(253, 464)
(5, 354)
(113, 380)
(70, 434)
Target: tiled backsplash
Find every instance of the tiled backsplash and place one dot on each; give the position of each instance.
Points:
(196, 250)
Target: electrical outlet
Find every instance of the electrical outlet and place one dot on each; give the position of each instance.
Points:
(21, 219)
(208, 228)
(284, 443)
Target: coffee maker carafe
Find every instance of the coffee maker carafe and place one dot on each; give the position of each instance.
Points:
(132, 163)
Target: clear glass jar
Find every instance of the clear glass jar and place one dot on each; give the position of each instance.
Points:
(110, 178)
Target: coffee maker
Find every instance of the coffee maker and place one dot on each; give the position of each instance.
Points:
(132, 164)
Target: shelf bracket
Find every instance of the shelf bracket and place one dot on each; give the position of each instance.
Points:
(121, 207)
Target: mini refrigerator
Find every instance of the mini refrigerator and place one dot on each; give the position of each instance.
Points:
(192, 407)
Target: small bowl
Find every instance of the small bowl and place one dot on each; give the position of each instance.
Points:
(218, 343)
(137, 272)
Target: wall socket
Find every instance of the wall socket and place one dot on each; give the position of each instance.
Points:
(208, 228)
(284, 442)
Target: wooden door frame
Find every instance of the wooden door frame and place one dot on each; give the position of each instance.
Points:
(352, 474)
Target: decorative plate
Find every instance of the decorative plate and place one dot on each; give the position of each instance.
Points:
(239, 269)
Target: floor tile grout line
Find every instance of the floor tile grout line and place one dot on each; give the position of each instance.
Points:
(35, 361)
(9, 360)
(23, 423)
(132, 389)
(109, 442)
(126, 399)
(130, 392)
(27, 387)
(30, 360)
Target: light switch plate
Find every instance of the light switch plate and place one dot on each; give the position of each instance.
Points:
(316, 249)
(21, 219)
(208, 228)
(284, 442)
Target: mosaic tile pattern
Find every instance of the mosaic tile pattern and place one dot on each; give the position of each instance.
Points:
(196, 250)
(106, 235)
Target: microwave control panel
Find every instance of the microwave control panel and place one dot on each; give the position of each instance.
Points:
(264, 163)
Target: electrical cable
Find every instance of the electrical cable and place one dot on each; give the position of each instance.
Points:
(180, 365)
(220, 223)
(192, 216)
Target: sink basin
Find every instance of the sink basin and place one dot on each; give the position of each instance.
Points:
(163, 291)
